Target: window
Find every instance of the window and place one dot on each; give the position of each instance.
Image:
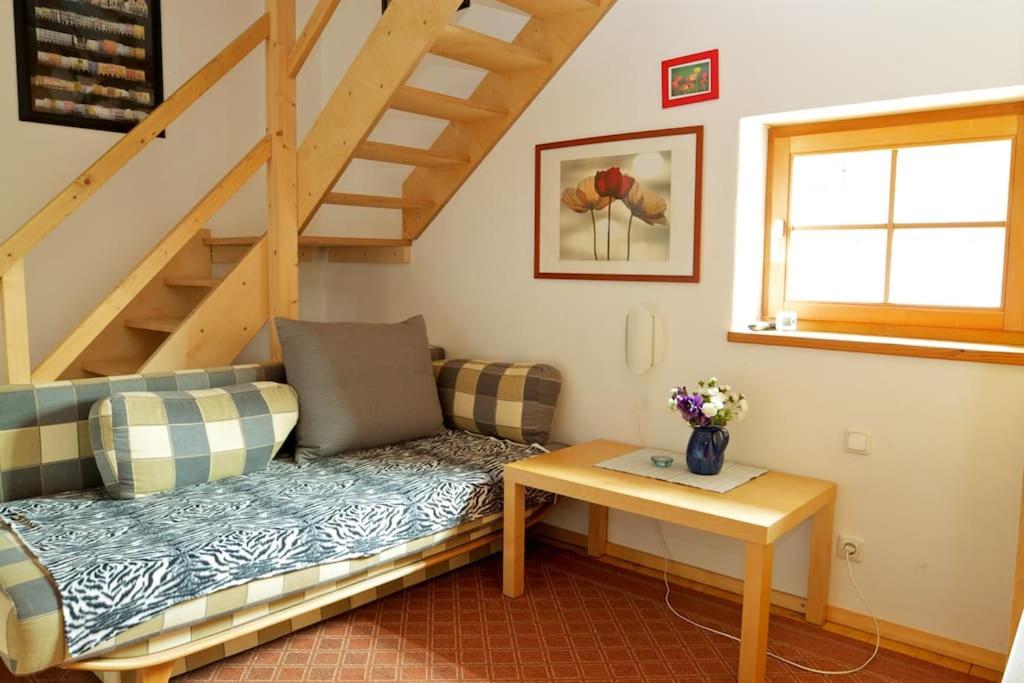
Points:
(901, 225)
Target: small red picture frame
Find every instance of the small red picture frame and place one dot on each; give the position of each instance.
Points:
(689, 79)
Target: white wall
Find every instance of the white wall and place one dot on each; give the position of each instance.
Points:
(81, 261)
(937, 500)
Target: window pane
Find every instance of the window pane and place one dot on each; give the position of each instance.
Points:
(947, 266)
(953, 183)
(849, 188)
(836, 265)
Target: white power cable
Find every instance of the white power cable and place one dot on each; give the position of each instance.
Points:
(849, 569)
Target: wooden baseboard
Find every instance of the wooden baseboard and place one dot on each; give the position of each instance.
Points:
(940, 650)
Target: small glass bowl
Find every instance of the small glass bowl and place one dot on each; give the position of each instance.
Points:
(662, 460)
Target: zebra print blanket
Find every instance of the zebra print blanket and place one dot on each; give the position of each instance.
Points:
(117, 563)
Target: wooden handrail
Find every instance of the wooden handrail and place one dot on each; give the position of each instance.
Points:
(322, 14)
(87, 330)
(15, 316)
(74, 195)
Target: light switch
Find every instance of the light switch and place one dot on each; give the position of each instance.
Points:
(858, 442)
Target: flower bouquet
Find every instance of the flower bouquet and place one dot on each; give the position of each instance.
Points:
(707, 410)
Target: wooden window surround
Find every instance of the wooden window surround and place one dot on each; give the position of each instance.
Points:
(1001, 324)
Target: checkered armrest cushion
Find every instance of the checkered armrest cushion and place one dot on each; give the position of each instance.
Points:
(147, 442)
(44, 428)
(513, 401)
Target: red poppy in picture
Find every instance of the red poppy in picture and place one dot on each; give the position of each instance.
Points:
(613, 183)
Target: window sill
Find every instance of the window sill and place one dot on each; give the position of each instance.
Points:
(889, 346)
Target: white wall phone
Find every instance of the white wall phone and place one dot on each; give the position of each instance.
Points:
(643, 340)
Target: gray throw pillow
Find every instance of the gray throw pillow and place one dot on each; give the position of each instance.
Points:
(360, 385)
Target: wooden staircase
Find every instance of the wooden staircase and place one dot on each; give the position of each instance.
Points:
(517, 72)
(170, 312)
(135, 335)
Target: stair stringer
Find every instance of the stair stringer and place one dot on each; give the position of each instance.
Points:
(224, 322)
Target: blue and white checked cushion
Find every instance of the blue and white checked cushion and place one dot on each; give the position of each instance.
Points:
(147, 442)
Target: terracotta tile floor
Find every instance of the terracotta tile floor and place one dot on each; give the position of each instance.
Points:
(580, 620)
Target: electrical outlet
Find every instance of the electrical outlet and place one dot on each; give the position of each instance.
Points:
(845, 541)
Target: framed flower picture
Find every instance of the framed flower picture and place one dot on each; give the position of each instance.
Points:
(620, 207)
(689, 79)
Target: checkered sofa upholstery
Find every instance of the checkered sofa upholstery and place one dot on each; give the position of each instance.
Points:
(45, 449)
(44, 428)
(513, 401)
(146, 442)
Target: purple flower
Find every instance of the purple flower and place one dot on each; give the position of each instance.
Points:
(689, 405)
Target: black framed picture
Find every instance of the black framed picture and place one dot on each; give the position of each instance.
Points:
(88, 63)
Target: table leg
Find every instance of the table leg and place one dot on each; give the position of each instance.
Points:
(514, 551)
(597, 536)
(821, 564)
(757, 586)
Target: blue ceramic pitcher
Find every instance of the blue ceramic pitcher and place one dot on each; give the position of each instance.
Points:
(705, 453)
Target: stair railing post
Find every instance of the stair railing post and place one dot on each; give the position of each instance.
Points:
(282, 200)
(15, 317)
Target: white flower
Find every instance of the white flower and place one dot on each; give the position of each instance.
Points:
(709, 409)
(734, 397)
(743, 405)
(713, 380)
(711, 391)
(672, 404)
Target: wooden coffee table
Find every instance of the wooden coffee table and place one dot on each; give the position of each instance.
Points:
(757, 513)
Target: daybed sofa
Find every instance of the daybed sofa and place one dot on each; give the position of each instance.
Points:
(449, 484)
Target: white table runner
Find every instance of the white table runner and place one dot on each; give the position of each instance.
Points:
(733, 474)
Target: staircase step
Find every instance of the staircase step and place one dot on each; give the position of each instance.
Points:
(313, 241)
(114, 367)
(545, 9)
(410, 156)
(200, 282)
(375, 202)
(428, 103)
(338, 249)
(246, 241)
(326, 241)
(166, 325)
(479, 49)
